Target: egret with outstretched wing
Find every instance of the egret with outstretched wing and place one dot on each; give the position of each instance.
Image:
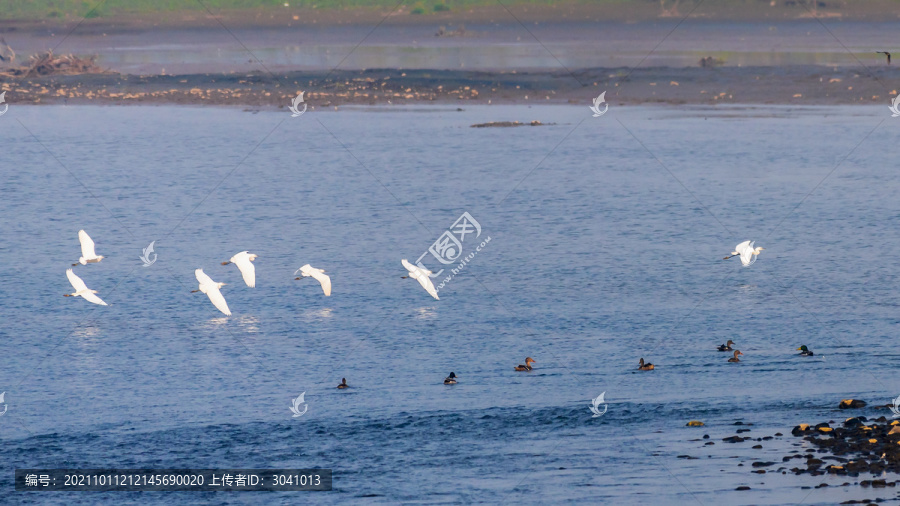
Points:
(211, 289)
(244, 260)
(88, 255)
(746, 251)
(422, 276)
(319, 275)
(81, 290)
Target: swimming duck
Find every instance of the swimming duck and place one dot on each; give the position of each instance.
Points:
(450, 380)
(735, 357)
(343, 383)
(726, 346)
(805, 352)
(645, 367)
(527, 366)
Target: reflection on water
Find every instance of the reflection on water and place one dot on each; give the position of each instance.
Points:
(425, 313)
(319, 313)
(217, 322)
(88, 331)
(249, 324)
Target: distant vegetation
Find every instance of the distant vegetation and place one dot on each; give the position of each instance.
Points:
(42, 9)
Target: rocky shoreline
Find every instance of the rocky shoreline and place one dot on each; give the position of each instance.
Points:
(795, 85)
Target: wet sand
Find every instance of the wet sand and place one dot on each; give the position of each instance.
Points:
(800, 85)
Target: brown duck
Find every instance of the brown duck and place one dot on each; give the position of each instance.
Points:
(735, 357)
(527, 366)
(645, 367)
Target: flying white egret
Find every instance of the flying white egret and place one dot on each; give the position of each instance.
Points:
(81, 290)
(318, 274)
(746, 251)
(243, 261)
(88, 256)
(211, 289)
(420, 275)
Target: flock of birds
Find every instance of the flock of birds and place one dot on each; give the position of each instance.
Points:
(212, 289)
(642, 366)
(748, 255)
(244, 262)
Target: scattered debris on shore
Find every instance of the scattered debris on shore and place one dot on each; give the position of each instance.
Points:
(325, 88)
(46, 64)
(506, 124)
(443, 32)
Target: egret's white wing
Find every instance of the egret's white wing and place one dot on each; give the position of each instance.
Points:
(740, 247)
(92, 297)
(319, 276)
(421, 275)
(746, 250)
(87, 245)
(215, 296)
(203, 278)
(414, 268)
(430, 289)
(426, 283)
(242, 260)
(77, 282)
(410, 267)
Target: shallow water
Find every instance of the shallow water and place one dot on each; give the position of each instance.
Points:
(607, 237)
(502, 45)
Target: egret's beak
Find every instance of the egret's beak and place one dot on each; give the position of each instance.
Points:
(225, 263)
(295, 279)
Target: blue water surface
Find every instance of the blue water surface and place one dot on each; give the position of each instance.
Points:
(606, 243)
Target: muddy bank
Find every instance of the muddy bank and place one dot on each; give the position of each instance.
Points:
(800, 85)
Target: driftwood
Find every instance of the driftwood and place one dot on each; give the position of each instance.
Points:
(710, 62)
(46, 64)
(443, 32)
(505, 124)
(6, 52)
